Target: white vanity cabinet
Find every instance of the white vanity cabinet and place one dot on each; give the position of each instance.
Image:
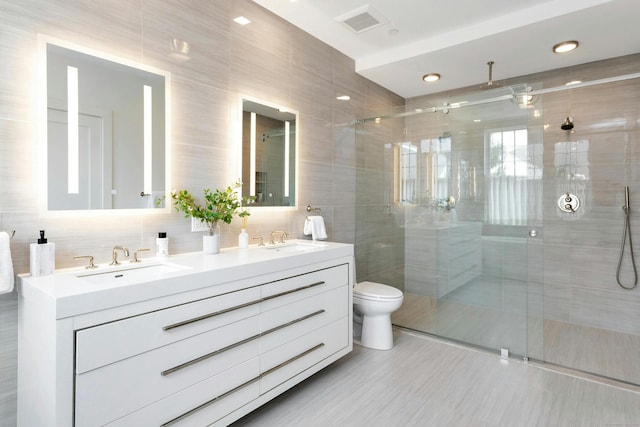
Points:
(206, 354)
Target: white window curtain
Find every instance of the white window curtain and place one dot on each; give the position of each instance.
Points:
(513, 200)
(514, 184)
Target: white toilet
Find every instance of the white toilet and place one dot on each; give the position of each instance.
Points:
(375, 302)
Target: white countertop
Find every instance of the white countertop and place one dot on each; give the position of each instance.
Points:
(70, 294)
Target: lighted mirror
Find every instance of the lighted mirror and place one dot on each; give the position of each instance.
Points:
(269, 152)
(106, 131)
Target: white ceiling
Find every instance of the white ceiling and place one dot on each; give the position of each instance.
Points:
(457, 38)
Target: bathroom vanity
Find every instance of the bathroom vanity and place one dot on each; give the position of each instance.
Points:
(191, 340)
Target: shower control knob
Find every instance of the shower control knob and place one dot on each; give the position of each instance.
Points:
(533, 233)
(568, 203)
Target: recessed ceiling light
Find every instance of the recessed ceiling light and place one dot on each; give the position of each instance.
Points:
(242, 20)
(431, 77)
(343, 97)
(565, 46)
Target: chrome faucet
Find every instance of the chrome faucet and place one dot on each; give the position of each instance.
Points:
(283, 235)
(114, 259)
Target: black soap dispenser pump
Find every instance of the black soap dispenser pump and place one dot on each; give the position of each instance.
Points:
(42, 257)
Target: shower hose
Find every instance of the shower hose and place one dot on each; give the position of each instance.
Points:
(626, 235)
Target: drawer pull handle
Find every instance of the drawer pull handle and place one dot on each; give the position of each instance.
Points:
(293, 322)
(241, 386)
(209, 402)
(301, 288)
(207, 316)
(208, 355)
(237, 307)
(237, 344)
(293, 359)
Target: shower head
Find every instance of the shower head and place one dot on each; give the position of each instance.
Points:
(490, 83)
(567, 124)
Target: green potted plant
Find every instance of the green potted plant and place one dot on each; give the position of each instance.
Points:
(218, 205)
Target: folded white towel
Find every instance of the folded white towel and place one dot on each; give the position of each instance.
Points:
(6, 265)
(314, 226)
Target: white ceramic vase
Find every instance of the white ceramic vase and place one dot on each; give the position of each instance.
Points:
(211, 240)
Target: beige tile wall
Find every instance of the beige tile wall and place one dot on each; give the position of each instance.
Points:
(269, 60)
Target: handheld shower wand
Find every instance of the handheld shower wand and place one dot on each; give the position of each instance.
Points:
(627, 206)
(626, 235)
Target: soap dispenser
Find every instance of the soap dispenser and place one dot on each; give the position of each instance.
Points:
(243, 237)
(42, 257)
(162, 245)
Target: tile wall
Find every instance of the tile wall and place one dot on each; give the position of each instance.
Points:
(268, 59)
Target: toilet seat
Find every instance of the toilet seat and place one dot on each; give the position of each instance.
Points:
(376, 291)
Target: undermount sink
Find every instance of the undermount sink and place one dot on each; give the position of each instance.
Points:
(131, 274)
(290, 247)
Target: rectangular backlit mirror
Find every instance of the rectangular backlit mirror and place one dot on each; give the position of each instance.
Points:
(269, 153)
(107, 131)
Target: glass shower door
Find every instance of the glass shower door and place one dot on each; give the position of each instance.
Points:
(482, 252)
(461, 191)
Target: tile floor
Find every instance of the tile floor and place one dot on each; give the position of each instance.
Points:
(424, 381)
(495, 313)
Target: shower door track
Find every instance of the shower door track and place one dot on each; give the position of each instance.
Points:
(574, 372)
(528, 92)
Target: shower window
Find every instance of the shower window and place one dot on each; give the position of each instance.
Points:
(406, 165)
(507, 171)
(421, 171)
(437, 159)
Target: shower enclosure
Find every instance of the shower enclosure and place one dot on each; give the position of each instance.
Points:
(501, 226)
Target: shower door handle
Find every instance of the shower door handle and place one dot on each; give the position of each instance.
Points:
(533, 233)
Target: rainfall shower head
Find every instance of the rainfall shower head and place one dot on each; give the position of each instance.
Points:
(567, 124)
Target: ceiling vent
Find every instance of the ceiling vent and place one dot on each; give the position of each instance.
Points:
(362, 19)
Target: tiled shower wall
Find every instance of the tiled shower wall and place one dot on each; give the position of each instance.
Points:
(268, 59)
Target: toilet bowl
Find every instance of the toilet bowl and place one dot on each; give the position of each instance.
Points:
(375, 302)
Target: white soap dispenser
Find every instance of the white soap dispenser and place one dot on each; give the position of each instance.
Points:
(243, 237)
(42, 257)
(162, 245)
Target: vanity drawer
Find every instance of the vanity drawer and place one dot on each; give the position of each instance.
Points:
(202, 403)
(283, 324)
(287, 361)
(108, 343)
(120, 388)
(295, 288)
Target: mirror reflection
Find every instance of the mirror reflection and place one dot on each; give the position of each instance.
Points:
(268, 154)
(106, 132)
